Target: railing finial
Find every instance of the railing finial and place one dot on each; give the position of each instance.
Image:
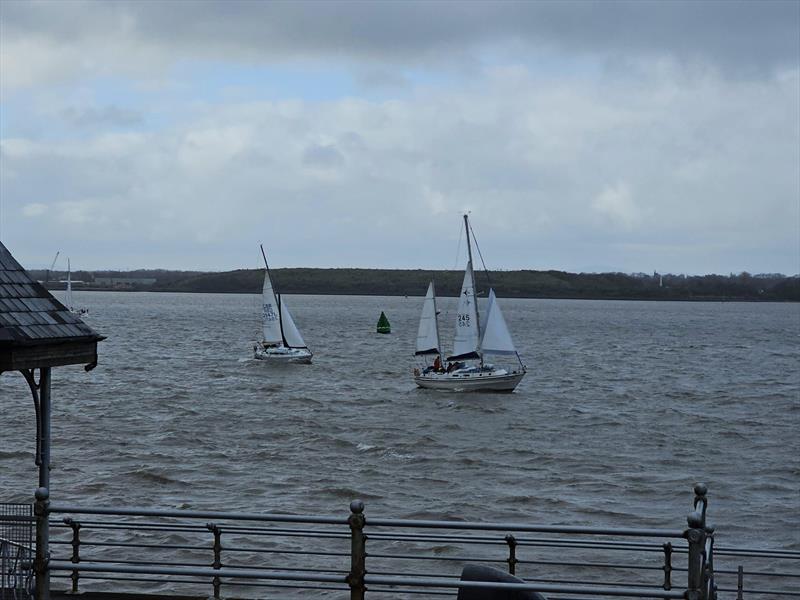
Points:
(698, 517)
(700, 489)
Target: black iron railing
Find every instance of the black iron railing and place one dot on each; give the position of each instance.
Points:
(238, 554)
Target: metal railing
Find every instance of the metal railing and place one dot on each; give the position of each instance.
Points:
(179, 551)
(16, 551)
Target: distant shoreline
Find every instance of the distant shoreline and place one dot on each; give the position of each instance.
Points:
(560, 285)
(421, 296)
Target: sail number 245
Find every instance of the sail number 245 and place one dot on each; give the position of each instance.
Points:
(463, 320)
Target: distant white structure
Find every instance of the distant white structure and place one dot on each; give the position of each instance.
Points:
(660, 278)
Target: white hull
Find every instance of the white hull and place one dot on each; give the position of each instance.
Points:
(281, 354)
(493, 381)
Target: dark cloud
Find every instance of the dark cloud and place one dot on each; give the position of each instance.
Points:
(324, 156)
(749, 36)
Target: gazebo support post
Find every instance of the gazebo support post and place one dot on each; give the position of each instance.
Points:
(42, 403)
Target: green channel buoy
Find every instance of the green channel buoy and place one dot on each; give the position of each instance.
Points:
(383, 324)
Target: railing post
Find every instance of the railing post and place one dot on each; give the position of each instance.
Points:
(355, 579)
(217, 564)
(667, 566)
(740, 583)
(76, 550)
(700, 538)
(41, 509)
(512, 554)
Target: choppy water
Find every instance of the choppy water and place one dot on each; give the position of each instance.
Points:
(625, 406)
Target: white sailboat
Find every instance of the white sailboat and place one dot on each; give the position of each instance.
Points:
(467, 368)
(281, 340)
(68, 301)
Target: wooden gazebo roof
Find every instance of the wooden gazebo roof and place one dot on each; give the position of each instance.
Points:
(36, 330)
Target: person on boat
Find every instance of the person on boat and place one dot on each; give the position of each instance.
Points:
(437, 364)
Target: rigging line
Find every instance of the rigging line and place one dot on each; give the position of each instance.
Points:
(478, 248)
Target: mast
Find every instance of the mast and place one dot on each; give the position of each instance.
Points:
(474, 293)
(264, 254)
(68, 294)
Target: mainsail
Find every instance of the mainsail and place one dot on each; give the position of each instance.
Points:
(496, 337)
(270, 317)
(428, 332)
(291, 334)
(466, 343)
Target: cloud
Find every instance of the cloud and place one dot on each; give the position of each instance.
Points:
(345, 133)
(113, 116)
(34, 209)
(49, 41)
(616, 204)
(533, 162)
(324, 156)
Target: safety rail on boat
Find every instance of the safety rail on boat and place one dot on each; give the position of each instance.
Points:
(183, 551)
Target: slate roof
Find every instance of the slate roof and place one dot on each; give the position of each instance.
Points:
(30, 315)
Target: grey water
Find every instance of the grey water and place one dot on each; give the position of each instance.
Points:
(625, 406)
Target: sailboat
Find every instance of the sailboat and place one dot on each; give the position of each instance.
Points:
(68, 301)
(281, 340)
(467, 368)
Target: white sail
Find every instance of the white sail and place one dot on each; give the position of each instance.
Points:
(466, 342)
(428, 332)
(269, 314)
(290, 332)
(496, 337)
(68, 293)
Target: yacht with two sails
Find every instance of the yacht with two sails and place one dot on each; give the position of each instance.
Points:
(281, 341)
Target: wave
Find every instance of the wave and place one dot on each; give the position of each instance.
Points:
(154, 476)
(346, 493)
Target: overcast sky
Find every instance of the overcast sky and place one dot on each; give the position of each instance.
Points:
(583, 136)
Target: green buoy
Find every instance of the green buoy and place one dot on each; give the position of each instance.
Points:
(383, 324)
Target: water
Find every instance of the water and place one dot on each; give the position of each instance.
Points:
(625, 406)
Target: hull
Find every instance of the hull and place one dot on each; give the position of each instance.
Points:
(470, 382)
(282, 355)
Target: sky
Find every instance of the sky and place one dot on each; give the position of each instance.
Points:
(580, 136)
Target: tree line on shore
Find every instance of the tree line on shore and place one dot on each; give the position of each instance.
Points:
(399, 282)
